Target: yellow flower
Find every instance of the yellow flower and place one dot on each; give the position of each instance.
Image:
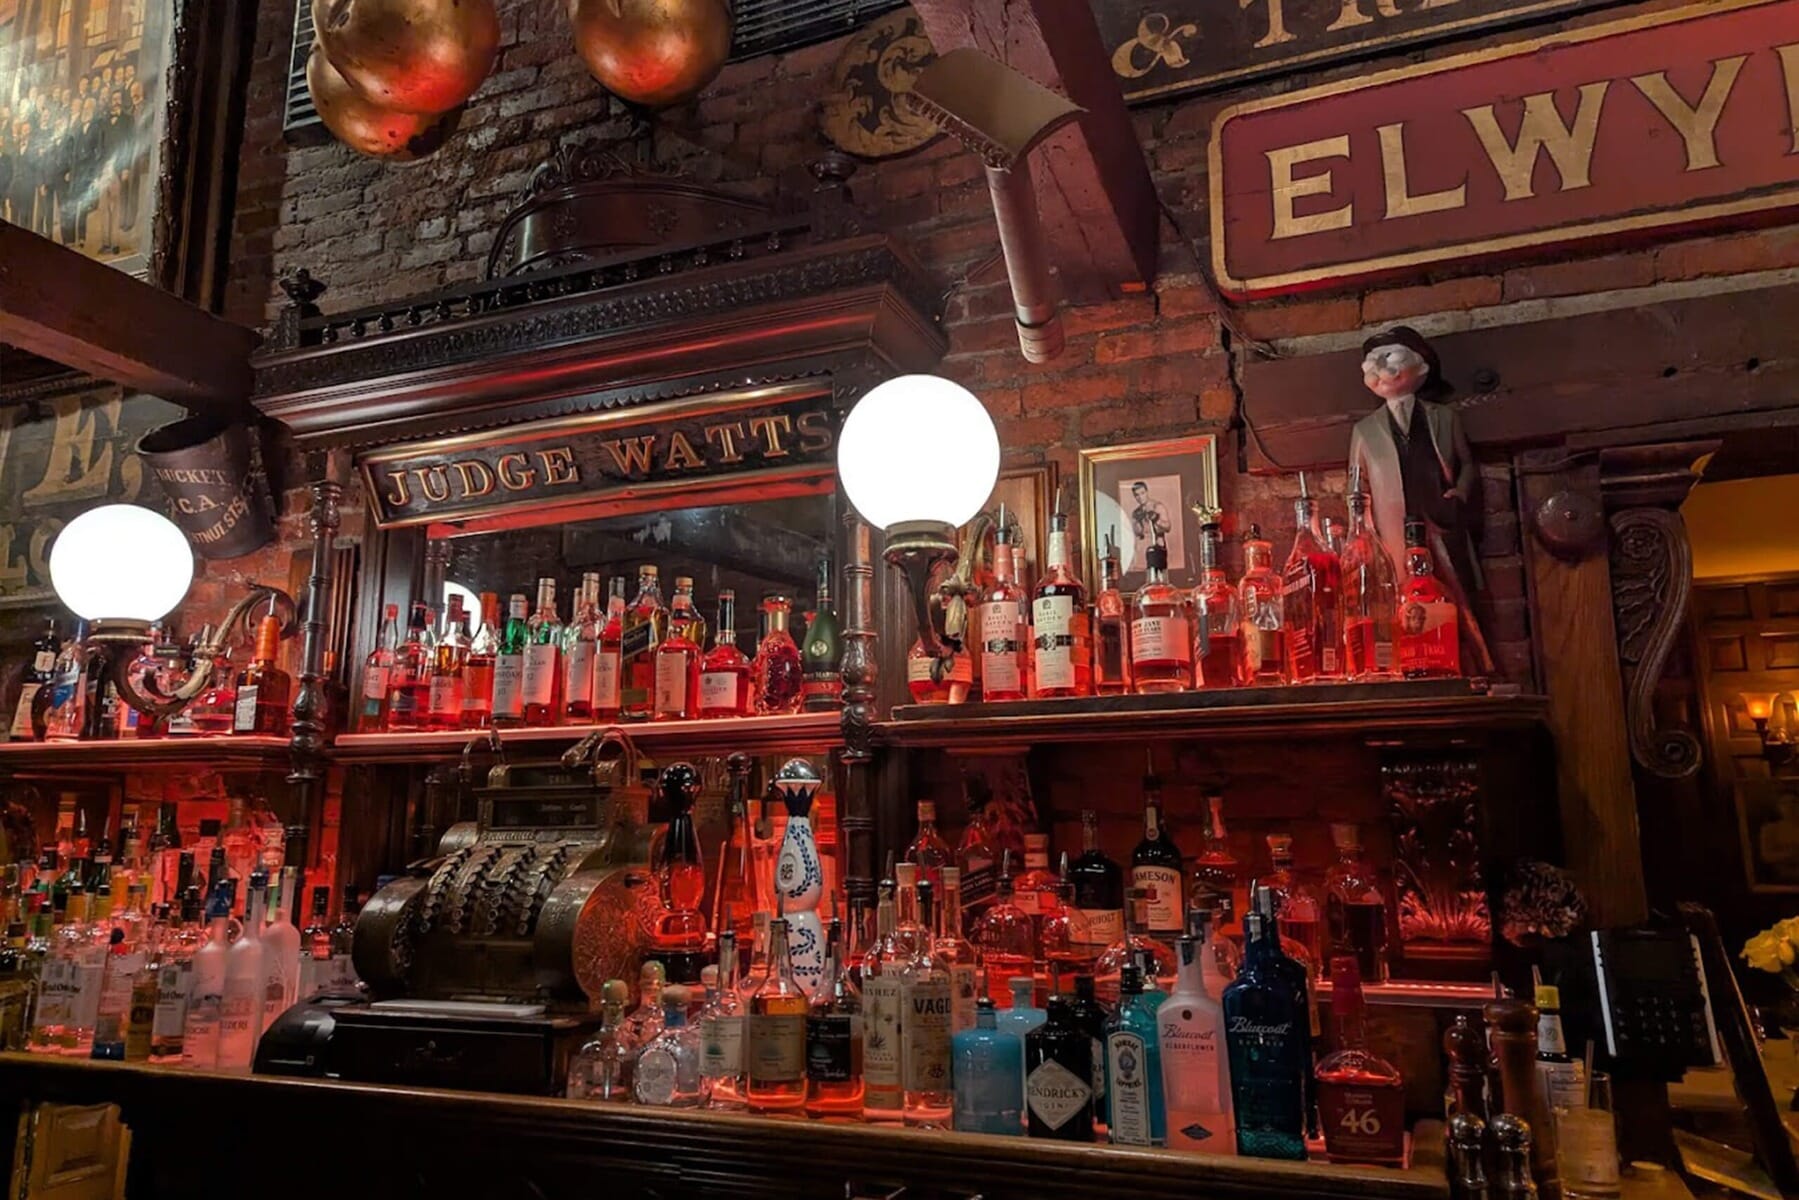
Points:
(1762, 951)
(1785, 952)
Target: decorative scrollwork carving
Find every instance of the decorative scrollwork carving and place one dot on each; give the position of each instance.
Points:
(1443, 907)
(1652, 581)
(591, 162)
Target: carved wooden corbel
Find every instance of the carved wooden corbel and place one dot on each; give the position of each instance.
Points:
(1652, 582)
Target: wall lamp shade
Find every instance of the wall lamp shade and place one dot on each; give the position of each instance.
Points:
(918, 448)
(121, 562)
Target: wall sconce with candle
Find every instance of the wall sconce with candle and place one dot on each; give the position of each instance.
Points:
(1777, 742)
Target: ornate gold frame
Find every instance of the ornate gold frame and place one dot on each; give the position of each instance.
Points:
(1203, 446)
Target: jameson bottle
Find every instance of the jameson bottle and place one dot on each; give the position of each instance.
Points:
(1267, 1032)
(1156, 867)
(1058, 1077)
(509, 667)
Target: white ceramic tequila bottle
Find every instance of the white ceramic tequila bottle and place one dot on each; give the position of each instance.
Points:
(799, 878)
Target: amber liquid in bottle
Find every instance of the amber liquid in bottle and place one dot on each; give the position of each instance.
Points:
(1429, 625)
(1161, 642)
(725, 673)
(1217, 624)
(543, 660)
(477, 671)
(580, 649)
(263, 688)
(678, 659)
(775, 1034)
(608, 678)
(448, 660)
(1062, 647)
(645, 625)
(1111, 633)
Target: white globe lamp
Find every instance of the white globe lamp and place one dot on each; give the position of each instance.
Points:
(121, 564)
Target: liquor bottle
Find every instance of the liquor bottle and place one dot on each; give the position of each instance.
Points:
(1062, 648)
(242, 848)
(645, 1021)
(721, 1028)
(601, 1069)
(1098, 888)
(1058, 1081)
(774, 1049)
(821, 658)
(1311, 611)
(215, 709)
(44, 652)
(1021, 1015)
(449, 661)
(75, 974)
(377, 670)
(798, 875)
(409, 680)
(1370, 596)
(1355, 907)
(127, 722)
(1301, 912)
(645, 625)
(206, 1000)
(1007, 942)
(315, 947)
(667, 1074)
(1361, 1098)
(776, 675)
(1217, 618)
(1299, 979)
(281, 949)
(542, 683)
(1196, 1070)
(976, 857)
(509, 666)
(1134, 947)
(988, 1070)
(1263, 637)
(1161, 641)
(926, 1027)
(935, 679)
(1219, 886)
(725, 673)
(834, 1087)
(958, 954)
(1561, 1078)
(1267, 1034)
(678, 659)
(608, 680)
(1063, 934)
(1002, 619)
(1034, 890)
(1111, 630)
(66, 716)
(343, 938)
(478, 667)
(1429, 631)
(124, 940)
(580, 650)
(928, 851)
(246, 984)
(882, 999)
(1156, 867)
(1134, 1065)
(1090, 1016)
(678, 938)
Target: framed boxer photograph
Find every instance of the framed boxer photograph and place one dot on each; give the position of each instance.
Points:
(1131, 494)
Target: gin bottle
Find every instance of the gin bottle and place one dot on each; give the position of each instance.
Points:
(925, 1026)
(1267, 1033)
(1196, 1072)
(721, 1028)
(988, 1068)
(882, 998)
(1058, 1061)
(601, 1069)
(1134, 1065)
(668, 1069)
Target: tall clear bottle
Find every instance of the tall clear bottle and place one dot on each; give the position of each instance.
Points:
(1268, 1036)
(478, 667)
(206, 1003)
(1062, 643)
(1196, 1070)
(246, 985)
(1264, 635)
(281, 949)
(1156, 868)
(542, 685)
(721, 1029)
(608, 680)
(1370, 596)
(926, 1028)
(371, 712)
(725, 671)
(580, 650)
(678, 658)
(1161, 638)
(1003, 625)
(1217, 618)
(960, 958)
(1311, 600)
(1111, 630)
(882, 1014)
(645, 625)
(509, 666)
(774, 1049)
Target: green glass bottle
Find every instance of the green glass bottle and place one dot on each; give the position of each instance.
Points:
(509, 667)
(821, 658)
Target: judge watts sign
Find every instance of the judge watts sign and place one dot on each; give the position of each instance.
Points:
(626, 460)
(1683, 117)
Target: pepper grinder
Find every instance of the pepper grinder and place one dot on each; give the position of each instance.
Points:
(1467, 1134)
(1514, 1026)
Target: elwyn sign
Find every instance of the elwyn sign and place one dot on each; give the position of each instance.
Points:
(1165, 47)
(1677, 118)
(628, 457)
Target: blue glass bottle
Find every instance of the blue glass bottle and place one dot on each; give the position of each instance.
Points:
(1264, 902)
(1021, 1018)
(987, 1064)
(1134, 1065)
(1267, 1032)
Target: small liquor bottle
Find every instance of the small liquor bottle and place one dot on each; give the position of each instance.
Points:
(882, 997)
(1161, 641)
(645, 1021)
(1062, 647)
(607, 702)
(1156, 868)
(1058, 1083)
(774, 1049)
(1267, 1032)
(667, 1072)
(776, 675)
(1361, 1098)
(1561, 1078)
(601, 1069)
(957, 953)
(678, 659)
(645, 625)
(989, 1076)
(822, 656)
(1217, 621)
(1370, 596)
(926, 1017)
(1111, 630)
(834, 1088)
(448, 664)
(1310, 601)
(1355, 907)
(1218, 880)
(1429, 640)
(725, 674)
(542, 684)
(721, 1028)
(478, 668)
(1264, 638)
(1002, 621)
(509, 667)
(263, 688)
(1196, 1070)
(371, 713)
(581, 643)
(1134, 1065)
(1098, 888)
(37, 675)
(978, 861)
(679, 937)
(928, 851)
(1007, 943)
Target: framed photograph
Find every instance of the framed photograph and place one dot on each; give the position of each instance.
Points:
(1768, 818)
(1130, 494)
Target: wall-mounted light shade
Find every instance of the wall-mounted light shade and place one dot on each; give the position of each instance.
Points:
(918, 448)
(121, 562)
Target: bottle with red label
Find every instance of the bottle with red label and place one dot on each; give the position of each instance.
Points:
(725, 673)
(678, 658)
(1003, 624)
(1311, 612)
(1429, 645)
(1361, 1096)
(1161, 644)
(608, 660)
(1370, 596)
(1263, 634)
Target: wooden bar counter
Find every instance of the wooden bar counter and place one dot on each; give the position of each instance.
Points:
(191, 1131)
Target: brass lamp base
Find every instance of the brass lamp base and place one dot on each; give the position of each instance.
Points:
(916, 549)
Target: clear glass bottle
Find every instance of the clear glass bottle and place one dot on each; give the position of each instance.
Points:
(66, 716)
(721, 1028)
(240, 1016)
(1058, 1076)
(601, 1069)
(1002, 625)
(776, 674)
(1219, 884)
(1586, 1138)
(449, 660)
(774, 1050)
(1062, 654)
(928, 851)
(1007, 941)
(1134, 947)
(1067, 942)
(725, 672)
(1268, 1036)
(580, 650)
(1355, 906)
(834, 1086)
(1370, 597)
(668, 1068)
(978, 861)
(1156, 867)
(1111, 630)
(1196, 1070)
(371, 714)
(1098, 887)
(542, 683)
(281, 948)
(988, 1069)
(1311, 612)
(1135, 1112)
(926, 1027)
(1361, 1097)
(1217, 618)
(882, 997)
(645, 1021)
(1035, 888)
(509, 666)
(1161, 637)
(175, 981)
(409, 680)
(478, 667)
(124, 941)
(1301, 912)
(958, 954)
(608, 662)
(678, 659)
(206, 1000)
(1429, 640)
(1263, 636)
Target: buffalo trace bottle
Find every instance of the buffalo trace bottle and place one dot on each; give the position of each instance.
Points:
(543, 660)
(509, 667)
(606, 658)
(1002, 625)
(1429, 632)
(926, 1017)
(1134, 1065)
(1361, 1097)
(1263, 636)
(1062, 648)
(1161, 644)
(774, 1048)
(989, 1076)
(1311, 584)
(645, 625)
(1196, 1070)
(1111, 630)
(725, 673)
(1217, 622)
(834, 1088)
(1267, 1032)
(1058, 1080)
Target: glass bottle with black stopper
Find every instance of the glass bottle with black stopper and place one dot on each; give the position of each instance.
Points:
(1098, 887)
(1266, 1030)
(1058, 1076)
(1156, 867)
(1091, 1015)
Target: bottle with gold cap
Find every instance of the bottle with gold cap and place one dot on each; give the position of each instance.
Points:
(263, 688)
(601, 1070)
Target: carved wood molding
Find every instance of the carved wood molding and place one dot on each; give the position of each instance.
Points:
(1652, 582)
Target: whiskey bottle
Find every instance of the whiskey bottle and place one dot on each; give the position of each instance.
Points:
(1310, 601)
(371, 714)
(449, 661)
(1361, 1097)
(1067, 942)
(725, 673)
(957, 953)
(1219, 885)
(1263, 636)
(774, 1050)
(1007, 942)
(978, 861)
(645, 625)
(542, 684)
(581, 642)
(509, 667)
(409, 682)
(988, 1071)
(776, 674)
(678, 659)
(39, 674)
(1137, 1116)
(882, 1013)
(1196, 1072)
(1370, 596)
(1034, 890)
(821, 658)
(1267, 1033)
(926, 1026)
(263, 688)
(1062, 648)
(834, 1087)
(1301, 912)
(478, 668)
(1355, 906)
(1217, 621)
(928, 851)
(1429, 632)
(667, 1072)
(1058, 1083)
(721, 1028)
(1111, 630)
(1002, 619)
(1156, 868)
(1161, 641)
(607, 662)
(1098, 888)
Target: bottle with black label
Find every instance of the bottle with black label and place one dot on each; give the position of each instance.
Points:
(1058, 1076)
(1156, 868)
(1098, 887)
(834, 1089)
(39, 673)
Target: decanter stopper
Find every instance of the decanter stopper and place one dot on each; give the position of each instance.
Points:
(680, 786)
(795, 785)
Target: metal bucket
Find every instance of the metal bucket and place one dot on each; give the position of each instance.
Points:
(205, 467)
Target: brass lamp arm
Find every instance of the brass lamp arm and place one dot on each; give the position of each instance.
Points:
(150, 700)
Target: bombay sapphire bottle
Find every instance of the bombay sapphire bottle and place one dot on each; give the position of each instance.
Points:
(988, 1069)
(1267, 1033)
(799, 880)
(1134, 1065)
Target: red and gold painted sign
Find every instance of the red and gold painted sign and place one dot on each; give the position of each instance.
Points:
(1672, 119)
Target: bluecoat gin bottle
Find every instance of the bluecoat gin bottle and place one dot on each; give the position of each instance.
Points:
(1058, 1080)
(1267, 1033)
(1299, 975)
(1134, 1065)
(988, 1069)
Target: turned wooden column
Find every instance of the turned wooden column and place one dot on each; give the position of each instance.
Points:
(327, 470)
(857, 815)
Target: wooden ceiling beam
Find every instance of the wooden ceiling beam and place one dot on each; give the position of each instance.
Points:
(84, 314)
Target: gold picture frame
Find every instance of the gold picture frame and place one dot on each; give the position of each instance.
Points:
(1128, 490)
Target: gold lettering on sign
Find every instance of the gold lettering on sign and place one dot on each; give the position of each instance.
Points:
(725, 438)
(74, 470)
(1430, 4)
(1277, 25)
(1696, 124)
(770, 429)
(1286, 189)
(477, 479)
(399, 497)
(1155, 39)
(1352, 14)
(438, 474)
(633, 455)
(515, 471)
(1400, 201)
(12, 570)
(1542, 129)
(815, 432)
(1789, 71)
(681, 454)
(559, 466)
(38, 553)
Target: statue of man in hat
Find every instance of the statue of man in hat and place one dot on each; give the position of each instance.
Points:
(1413, 458)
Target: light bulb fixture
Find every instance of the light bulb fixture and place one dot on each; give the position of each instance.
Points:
(1777, 744)
(918, 456)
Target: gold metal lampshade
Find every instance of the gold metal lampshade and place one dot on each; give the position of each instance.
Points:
(410, 56)
(368, 128)
(652, 52)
